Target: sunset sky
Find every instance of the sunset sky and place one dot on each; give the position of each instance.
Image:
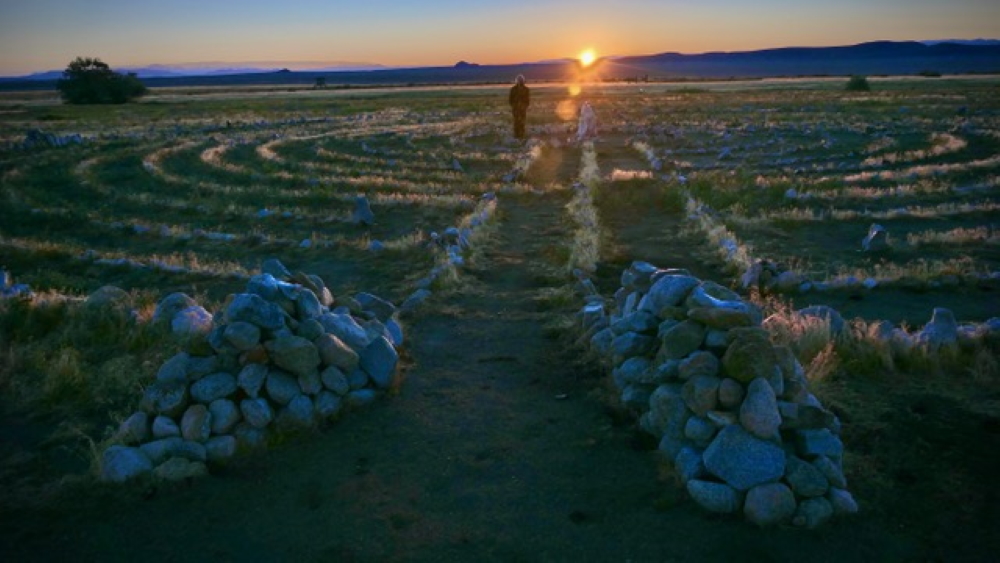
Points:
(39, 35)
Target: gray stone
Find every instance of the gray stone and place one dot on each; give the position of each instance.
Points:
(877, 239)
(842, 501)
(395, 330)
(344, 327)
(174, 369)
(335, 380)
(688, 464)
(193, 321)
(328, 405)
(251, 379)
(310, 384)
(281, 387)
(299, 412)
(180, 469)
(714, 497)
(632, 370)
(667, 371)
(382, 309)
(668, 291)
(274, 267)
(601, 342)
(170, 306)
(361, 398)
(200, 366)
(220, 449)
(307, 305)
(716, 341)
(122, 463)
(700, 430)
(642, 322)
(211, 387)
(189, 449)
(310, 329)
(667, 412)
(701, 394)
(253, 309)
(165, 397)
(834, 475)
(159, 450)
(632, 344)
(759, 411)
(681, 340)
(804, 478)
(379, 360)
(743, 461)
(196, 425)
(257, 412)
(225, 416)
(812, 443)
(942, 330)
(671, 445)
(362, 214)
(134, 429)
(243, 336)
(110, 299)
(813, 513)
(294, 354)
(165, 427)
(636, 396)
(415, 299)
(357, 379)
(749, 356)
(731, 393)
(721, 318)
(769, 504)
(698, 363)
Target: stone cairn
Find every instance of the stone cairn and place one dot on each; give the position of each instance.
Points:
(733, 412)
(283, 356)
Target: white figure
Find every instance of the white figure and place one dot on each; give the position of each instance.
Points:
(588, 123)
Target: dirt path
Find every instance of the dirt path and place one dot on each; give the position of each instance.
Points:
(499, 447)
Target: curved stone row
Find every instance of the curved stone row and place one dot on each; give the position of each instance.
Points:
(282, 356)
(733, 412)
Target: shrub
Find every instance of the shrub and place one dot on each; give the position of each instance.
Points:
(90, 81)
(858, 84)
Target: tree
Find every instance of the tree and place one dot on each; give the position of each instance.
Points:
(858, 84)
(90, 81)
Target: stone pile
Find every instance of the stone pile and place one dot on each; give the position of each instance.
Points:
(9, 289)
(38, 138)
(732, 412)
(283, 356)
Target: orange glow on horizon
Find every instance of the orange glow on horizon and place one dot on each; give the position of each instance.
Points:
(587, 57)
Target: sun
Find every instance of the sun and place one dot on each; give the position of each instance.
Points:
(587, 57)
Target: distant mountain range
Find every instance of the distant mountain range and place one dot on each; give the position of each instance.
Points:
(874, 58)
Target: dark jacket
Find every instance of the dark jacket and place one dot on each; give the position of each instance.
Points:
(520, 97)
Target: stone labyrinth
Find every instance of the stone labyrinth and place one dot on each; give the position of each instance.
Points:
(811, 193)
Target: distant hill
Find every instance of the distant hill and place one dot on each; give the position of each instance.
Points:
(875, 58)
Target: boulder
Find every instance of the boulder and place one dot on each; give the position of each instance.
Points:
(294, 354)
(813, 513)
(700, 363)
(328, 404)
(159, 450)
(749, 356)
(382, 309)
(251, 378)
(134, 429)
(700, 430)
(334, 352)
(122, 463)
(180, 469)
(731, 393)
(335, 380)
(831, 315)
(812, 443)
(344, 327)
(701, 394)
(362, 214)
(310, 383)
(170, 306)
(841, 501)
(165, 397)
(668, 291)
(759, 411)
(714, 497)
(225, 416)
(273, 267)
(214, 386)
(805, 479)
(632, 344)
(165, 427)
(742, 460)
(242, 335)
(681, 340)
(192, 321)
(360, 398)
(220, 449)
(307, 305)
(379, 360)
(721, 318)
(668, 413)
(196, 424)
(877, 239)
(769, 504)
(256, 412)
(942, 330)
(253, 309)
(281, 387)
(688, 464)
(174, 369)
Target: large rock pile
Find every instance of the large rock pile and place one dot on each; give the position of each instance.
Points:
(281, 356)
(732, 412)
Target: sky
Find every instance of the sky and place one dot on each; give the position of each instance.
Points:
(40, 35)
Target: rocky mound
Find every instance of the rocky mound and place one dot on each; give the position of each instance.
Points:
(281, 356)
(733, 412)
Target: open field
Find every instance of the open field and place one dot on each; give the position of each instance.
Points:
(190, 190)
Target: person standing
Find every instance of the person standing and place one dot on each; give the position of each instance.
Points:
(520, 99)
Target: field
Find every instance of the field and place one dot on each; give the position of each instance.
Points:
(502, 442)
